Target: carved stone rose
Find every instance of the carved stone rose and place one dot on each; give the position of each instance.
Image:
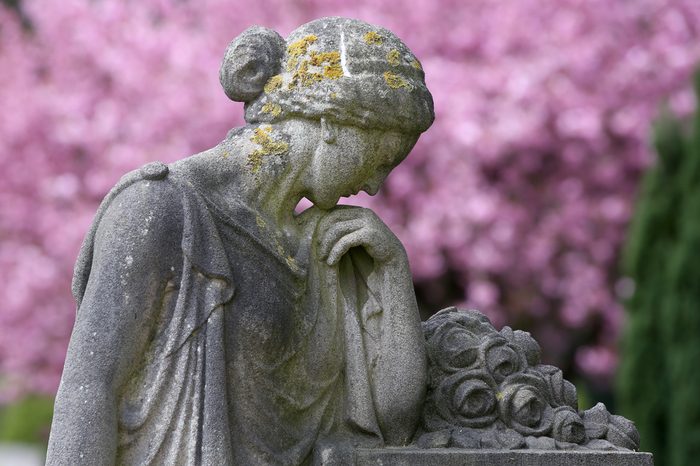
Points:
(487, 389)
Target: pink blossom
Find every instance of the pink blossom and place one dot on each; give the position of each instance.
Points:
(518, 196)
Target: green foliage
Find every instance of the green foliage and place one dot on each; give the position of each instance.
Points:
(27, 421)
(659, 380)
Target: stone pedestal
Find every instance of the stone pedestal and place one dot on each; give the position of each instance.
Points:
(334, 456)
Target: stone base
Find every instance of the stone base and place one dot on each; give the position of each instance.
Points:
(334, 456)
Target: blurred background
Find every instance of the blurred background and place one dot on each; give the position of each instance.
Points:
(559, 184)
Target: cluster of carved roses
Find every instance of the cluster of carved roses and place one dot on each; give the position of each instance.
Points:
(488, 390)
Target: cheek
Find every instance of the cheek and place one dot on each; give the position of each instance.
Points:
(326, 175)
(350, 170)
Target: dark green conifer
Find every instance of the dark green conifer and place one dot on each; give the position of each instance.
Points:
(659, 379)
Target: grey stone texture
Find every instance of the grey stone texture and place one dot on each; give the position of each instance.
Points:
(488, 389)
(460, 457)
(216, 326)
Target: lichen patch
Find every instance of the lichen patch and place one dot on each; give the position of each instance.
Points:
(416, 64)
(273, 84)
(373, 38)
(268, 146)
(301, 46)
(292, 264)
(271, 108)
(319, 66)
(329, 61)
(393, 57)
(395, 81)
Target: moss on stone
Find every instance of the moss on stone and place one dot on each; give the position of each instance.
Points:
(271, 108)
(273, 84)
(301, 46)
(329, 61)
(373, 38)
(395, 81)
(268, 146)
(393, 57)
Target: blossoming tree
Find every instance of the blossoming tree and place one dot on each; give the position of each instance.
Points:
(515, 202)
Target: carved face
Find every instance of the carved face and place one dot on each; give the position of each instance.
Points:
(356, 160)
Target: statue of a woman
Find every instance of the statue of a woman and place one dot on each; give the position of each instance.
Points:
(216, 326)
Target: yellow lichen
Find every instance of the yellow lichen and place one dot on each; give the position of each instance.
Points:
(395, 81)
(271, 108)
(260, 221)
(416, 64)
(334, 95)
(372, 38)
(330, 61)
(298, 49)
(292, 63)
(393, 57)
(268, 146)
(273, 84)
(292, 263)
(302, 76)
(301, 46)
(319, 58)
(333, 72)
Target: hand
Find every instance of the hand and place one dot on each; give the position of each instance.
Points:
(347, 227)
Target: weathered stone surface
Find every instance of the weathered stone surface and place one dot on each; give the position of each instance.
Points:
(487, 389)
(215, 326)
(460, 457)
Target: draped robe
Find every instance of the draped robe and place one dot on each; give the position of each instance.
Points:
(258, 351)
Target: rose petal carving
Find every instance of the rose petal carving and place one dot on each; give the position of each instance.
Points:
(466, 438)
(505, 439)
(623, 433)
(467, 399)
(501, 359)
(524, 408)
(561, 392)
(452, 348)
(568, 426)
(596, 421)
(474, 321)
(489, 390)
(529, 347)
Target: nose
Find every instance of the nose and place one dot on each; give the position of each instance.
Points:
(373, 185)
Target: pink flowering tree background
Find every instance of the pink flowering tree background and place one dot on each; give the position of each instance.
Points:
(515, 202)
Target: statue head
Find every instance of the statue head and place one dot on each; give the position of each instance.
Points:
(344, 70)
(358, 82)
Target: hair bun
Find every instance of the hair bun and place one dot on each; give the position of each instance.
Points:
(251, 59)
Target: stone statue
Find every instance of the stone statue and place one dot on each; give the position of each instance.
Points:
(491, 402)
(215, 326)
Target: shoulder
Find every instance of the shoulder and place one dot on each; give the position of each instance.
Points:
(144, 212)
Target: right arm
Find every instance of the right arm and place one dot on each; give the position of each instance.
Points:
(398, 374)
(137, 247)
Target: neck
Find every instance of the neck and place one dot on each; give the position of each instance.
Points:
(262, 166)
